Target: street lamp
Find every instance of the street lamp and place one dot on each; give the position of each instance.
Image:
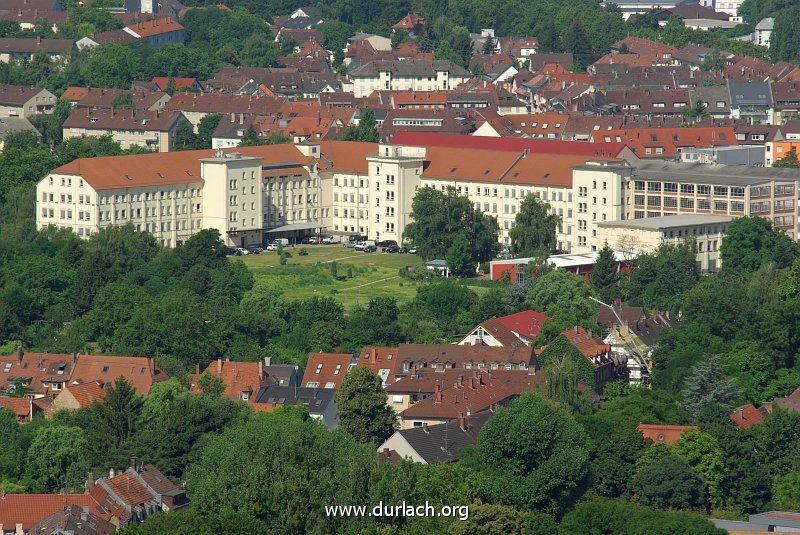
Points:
(637, 354)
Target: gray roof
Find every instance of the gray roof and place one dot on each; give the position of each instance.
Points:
(441, 442)
(316, 399)
(286, 374)
(766, 24)
(31, 46)
(776, 518)
(9, 125)
(667, 221)
(409, 67)
(749, 94)
(729, 175)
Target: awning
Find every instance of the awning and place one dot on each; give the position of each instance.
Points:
(296, 227)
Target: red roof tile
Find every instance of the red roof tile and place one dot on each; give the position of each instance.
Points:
(750, 415)
(142, 372)
(21, 407)
(239, 378)
(380, 360)
(30, 509)
(326, 369)
(87, 393)
(155, 27)
(526, 323)
(663, 434)
(582, 148)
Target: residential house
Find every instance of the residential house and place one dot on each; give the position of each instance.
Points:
(417, 75)
(73, 520)
(28, 18)
(24, 102)
(667, 143)
(139, 98)
(132, 496)
(440, 357)
(159, 31)
(381, 360)
(23, 408)
(283, 374)
(747, 416)
(242, 380)
(151, 130)
(78, 396)
(327, 370)
(118, 37)
(662, 433)
(520, 49)
(181, 83)
(15, 50)
(751, 101)
(12, 125)
(40, 374)
(412, 23)
(763, 31)
(598, 354)
(320, 402)
(195, 106)
(430, 444)
(141, 372)
(507, 331)
(471, 392)
(20, 513)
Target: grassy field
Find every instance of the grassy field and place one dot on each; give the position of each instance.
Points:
(360, 276)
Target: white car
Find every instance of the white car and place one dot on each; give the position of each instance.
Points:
(313, 240)
(242, 251)
(272, 247)
(359, 246)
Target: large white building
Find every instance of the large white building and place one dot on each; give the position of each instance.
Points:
(412, 74)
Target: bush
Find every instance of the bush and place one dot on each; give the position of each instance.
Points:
(303, 252)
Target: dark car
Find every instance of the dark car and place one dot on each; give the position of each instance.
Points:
(255, 249)
(370, 249)
(386, 243)
(391, 249)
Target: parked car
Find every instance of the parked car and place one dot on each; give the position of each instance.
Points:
(391, 249)
(241, 251)
(412, 250)
(313, 240)
(359, 246)
(272, 247)
(370, 248)
(386, 243)
(255, 249)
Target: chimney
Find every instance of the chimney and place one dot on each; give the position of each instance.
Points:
(74, 358)
(133, 464)
(741, 413)
(241, 118)
(197, 369)
(39, 40)
(267, 361)
(19, 530)
(233, 117)
(20, 354)
(260, 370)
(219, 365)
(89, 482)
(111, 473)
(85, 513)
(461, 421)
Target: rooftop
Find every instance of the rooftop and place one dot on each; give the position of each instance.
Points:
(667, 221)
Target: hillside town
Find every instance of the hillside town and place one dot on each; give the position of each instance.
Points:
(399, 267)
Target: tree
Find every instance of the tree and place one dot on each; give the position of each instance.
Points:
(488, 46)
(789, 160)
(185, 138)
(259, 50)
(751, 242)
(459, 258)
(57, 458)
(620, 516)
(362, 407)
(661, 278)
(367, 129)
(697, 112)
(250, 137)
(399, 36)
(667, 481)
(438, 217)
(123, 101)
(786, 492)
(549, 40)
(578, 43)
(785, 37)
(534, 455)
(120, 407)
(563, 375)
(205, 130)
(534, 228)
(564, 298)
(605, 277)
(211, 384)
(703, 453)
(708, 385)
(294, 467)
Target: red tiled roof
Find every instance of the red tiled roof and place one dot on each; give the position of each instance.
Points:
(327, 369)
(526, 323)
(582, 340)
(129, 489)
(238, 377)
(180, 82)
(409, 22)
(21, 407)
(155, 27)
(142, 372)
(87, 393)
(663, 434)
(750, 415)
(471, 393)
(668, 139)
(30, 509)
(346, 156)
(380, 360)
(582, 148)
(36, 370)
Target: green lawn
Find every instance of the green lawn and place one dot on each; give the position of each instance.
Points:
(373, 274)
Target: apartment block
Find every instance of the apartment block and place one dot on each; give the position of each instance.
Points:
(412, 74)
(667, 188)
(151, 130)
